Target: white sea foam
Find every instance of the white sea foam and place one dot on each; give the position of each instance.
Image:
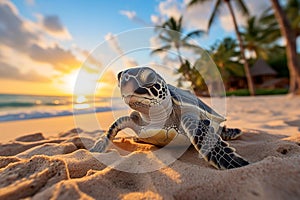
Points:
(22, 107)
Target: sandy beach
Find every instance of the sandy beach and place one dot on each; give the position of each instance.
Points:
(47, 159)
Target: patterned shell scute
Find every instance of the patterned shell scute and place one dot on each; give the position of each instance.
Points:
(186, 98)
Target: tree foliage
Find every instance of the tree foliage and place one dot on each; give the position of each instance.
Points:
(172, 36)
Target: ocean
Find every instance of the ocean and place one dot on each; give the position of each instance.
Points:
(22, 107)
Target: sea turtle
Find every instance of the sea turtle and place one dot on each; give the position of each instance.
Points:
(163, 112)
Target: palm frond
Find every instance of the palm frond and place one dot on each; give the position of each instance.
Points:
(179, 24)
(214, 14)
(161, 49)
(267, 15)
(194, 2)
(164, 38)
(242, 7)
(171, 24)
(193, 34)
(191, 46)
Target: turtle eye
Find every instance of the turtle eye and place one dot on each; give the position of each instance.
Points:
(148, 77)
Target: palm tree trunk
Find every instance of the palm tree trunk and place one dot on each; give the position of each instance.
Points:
(291, 50)
(246, 64)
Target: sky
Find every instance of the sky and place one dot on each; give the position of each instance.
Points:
(46, 45)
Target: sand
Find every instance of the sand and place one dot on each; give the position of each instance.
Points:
(47, 159)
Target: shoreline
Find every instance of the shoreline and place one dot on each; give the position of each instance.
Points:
(264, 115)
(53, 125)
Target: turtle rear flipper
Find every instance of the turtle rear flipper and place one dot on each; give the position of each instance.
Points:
(210, 145)
(230, 133)
(222, 156)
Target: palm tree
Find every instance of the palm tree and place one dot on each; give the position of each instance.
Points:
(191, 74)
(292, 10)
(259, 37)
(243, 8)
(226, 57)
(291, 50)
(171, 34)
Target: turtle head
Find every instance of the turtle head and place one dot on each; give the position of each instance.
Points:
(142, 88)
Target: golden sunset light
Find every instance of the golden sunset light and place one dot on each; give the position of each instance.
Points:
(157, 99)
(107, 84)
(66, 82)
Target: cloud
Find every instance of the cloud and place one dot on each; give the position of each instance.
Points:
(168, 61)
(115, 46)
(54, 27)
(10, 72)
(35, 41)
(227, 23)
(156, 20)
(12, 30)
(91, 59)
(129, 62)
(155, 43)
(197, 16)
(113, 43)
(62, 60)
(133, 16)
(194, 17)
(171, 8)
(255, 7)
(129, 14)
(91, 63)
(52, 23)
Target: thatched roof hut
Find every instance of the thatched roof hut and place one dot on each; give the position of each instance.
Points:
(265, 76)
(261, 68)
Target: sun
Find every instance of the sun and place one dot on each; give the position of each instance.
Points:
(82, 83)
(79, 82)
(68, 82)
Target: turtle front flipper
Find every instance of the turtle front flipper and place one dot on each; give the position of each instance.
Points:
(230, 133)
(120, 124)
(210, 145)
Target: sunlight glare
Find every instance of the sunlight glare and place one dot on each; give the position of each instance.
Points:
(81, 99)
(68, 81)
(81, 102)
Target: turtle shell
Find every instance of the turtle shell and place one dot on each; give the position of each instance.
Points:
(189, 103)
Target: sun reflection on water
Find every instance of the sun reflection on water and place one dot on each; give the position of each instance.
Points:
(81, 106)
(81, 102)
(81, 99)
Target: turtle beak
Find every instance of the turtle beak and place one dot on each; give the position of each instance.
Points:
(128, 87)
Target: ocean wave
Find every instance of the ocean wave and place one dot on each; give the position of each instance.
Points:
(22, 107)
(25, 101)
(16, 104)
(31, 104)
(45, 114)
